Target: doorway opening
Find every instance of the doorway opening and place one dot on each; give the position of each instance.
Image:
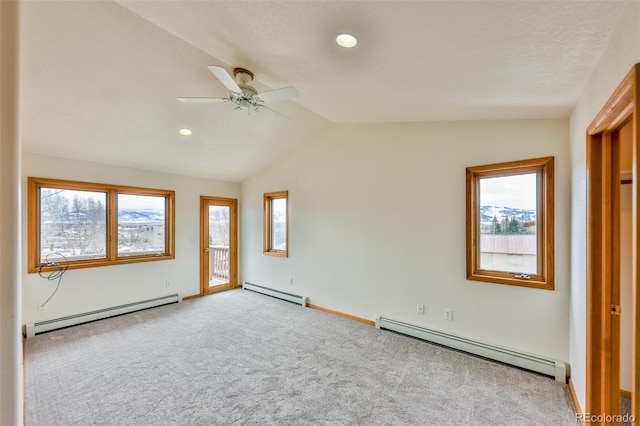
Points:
(605, 175)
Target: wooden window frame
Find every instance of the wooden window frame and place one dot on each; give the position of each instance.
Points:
(544, 279)
(267, 249)
(111, 223)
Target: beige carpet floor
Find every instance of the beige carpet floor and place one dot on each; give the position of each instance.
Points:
(240, 358)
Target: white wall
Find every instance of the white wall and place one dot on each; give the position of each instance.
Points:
(623, 52)
(92, 288)
(377, 225)
(11, 377)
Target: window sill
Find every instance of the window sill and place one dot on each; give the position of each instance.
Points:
(509, 279)
(32, 269)
(276, 253)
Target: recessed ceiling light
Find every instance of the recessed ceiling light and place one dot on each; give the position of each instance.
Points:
(346, 40)
(185, 132)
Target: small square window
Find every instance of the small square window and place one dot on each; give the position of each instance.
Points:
(510, 223)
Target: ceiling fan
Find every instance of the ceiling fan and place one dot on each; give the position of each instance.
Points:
(245, 96)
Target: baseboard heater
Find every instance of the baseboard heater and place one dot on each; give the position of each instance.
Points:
(294, 298)
(53, 324)
(547, 366)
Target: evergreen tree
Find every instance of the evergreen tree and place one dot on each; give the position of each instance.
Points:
(495, 225)
(514, 226)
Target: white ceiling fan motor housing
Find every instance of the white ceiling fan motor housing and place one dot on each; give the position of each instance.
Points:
(244, 77)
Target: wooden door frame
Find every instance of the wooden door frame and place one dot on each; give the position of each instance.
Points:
(603, 242)
(205, 201)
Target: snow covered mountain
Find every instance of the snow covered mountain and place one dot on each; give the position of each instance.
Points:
(488, 212)
(140, 216)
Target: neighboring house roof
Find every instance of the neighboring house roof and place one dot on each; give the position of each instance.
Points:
(508, 244)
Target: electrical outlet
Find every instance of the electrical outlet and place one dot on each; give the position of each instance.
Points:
(167, 283)
(448, 314)
(290, 281)
(420, 308)
(42, 308)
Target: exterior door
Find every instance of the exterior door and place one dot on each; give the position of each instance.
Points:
(218, 244)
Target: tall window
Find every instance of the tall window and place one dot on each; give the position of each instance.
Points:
(95, 224)
(510, 223)
(276, 223)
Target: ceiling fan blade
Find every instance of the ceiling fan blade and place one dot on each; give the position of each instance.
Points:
(279, 94)
(225, 78)
(236, 116)
(219, 100)
(273, 115)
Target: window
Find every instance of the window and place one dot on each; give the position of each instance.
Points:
(510, 223)
(96, 225)
(276, 224)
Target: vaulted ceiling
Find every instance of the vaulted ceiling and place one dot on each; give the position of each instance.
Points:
(99, 80)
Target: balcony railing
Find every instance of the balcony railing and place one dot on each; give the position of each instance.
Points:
(218, 263)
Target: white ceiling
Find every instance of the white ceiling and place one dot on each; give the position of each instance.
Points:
(99, 80)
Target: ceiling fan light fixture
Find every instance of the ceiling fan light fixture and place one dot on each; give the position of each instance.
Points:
(346, 40)
(185, 132)
(244, 96)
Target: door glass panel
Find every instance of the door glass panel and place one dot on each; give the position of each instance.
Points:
(218, 245)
